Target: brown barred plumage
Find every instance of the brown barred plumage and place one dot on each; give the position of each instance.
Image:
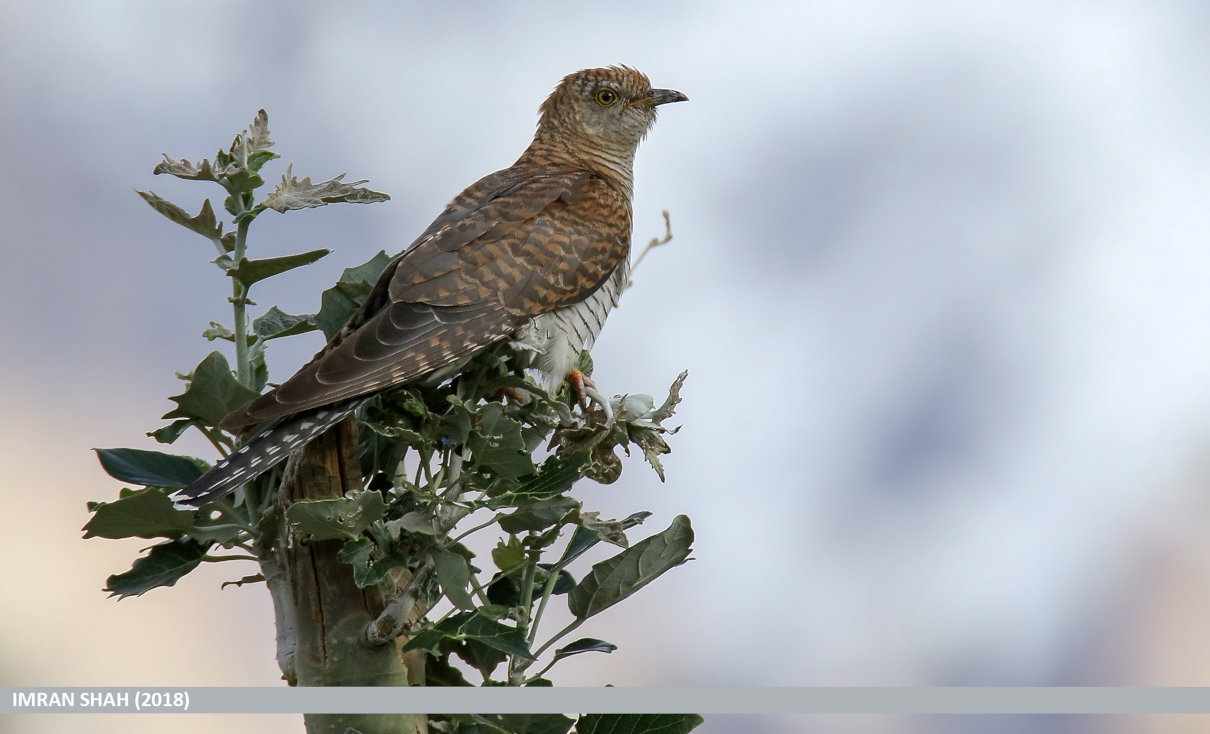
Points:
(521, 246)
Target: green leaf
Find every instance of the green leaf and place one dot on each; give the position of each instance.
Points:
(586, 644)
(275, 323)
(556, 475)
(163, 566)
(205, 223)
(331, 519)
(584, 538)
(221, 532)
(254, 271)
(260, 368)
(147, 513)
(439, 672)
(454, 575)
(150, 468)
(497, 444)
(479, 656)
(616, 578)
(472, 626)
(417, 521)
(493, 634)
(516, 724)
(538, 515)
(171, 432)
(369, 568)
(637, 723)
(212, 394)
(340, 301)
(610, 531)
(429, 639)
(292, 193)
(505, 589)
(508, 555)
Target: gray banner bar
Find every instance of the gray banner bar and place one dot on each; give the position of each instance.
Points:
(991, 700)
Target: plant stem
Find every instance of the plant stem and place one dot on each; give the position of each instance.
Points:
(215, 439)
(523, 621)
(558, 636)
(239, 301)
(491, 521)
(219, 559)
(547, 590)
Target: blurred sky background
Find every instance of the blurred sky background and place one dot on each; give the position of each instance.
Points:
(939, 279)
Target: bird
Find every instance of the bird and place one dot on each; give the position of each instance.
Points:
(536, 254)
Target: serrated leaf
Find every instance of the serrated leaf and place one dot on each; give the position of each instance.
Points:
(218, 331)
(205, 223)
(182, 168)
(586, 644)
(164, 565)
(171, 432)
(293, 193)
(275, 323)
(339, 302)
(454, 575)
(637, 723)
(666, 410)
(212, 394)
(254, 271)
(150, 468)
(256, 136)
(616, 578)
(653, 445)
(147, 513)
(338, 518)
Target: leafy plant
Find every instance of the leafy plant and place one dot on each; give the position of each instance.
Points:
(488, 450)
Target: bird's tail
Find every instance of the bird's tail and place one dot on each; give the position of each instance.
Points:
(261, 453)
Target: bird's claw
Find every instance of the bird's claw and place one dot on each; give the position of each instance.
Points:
(586, 393)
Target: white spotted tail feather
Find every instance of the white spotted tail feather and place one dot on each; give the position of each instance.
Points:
(261, 453)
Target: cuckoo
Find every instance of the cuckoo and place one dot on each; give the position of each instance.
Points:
(537, 252)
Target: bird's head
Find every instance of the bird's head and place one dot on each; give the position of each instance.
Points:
(607, 109)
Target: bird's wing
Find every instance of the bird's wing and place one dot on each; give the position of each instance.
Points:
(514, 245)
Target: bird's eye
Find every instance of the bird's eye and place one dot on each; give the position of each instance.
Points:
(606, 97)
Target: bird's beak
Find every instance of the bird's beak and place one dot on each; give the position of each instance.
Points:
(664, 96)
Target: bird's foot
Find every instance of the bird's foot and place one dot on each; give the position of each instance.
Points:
(586, 393)
(514, 395)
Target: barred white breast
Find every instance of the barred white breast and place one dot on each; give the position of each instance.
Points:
(557, 338)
